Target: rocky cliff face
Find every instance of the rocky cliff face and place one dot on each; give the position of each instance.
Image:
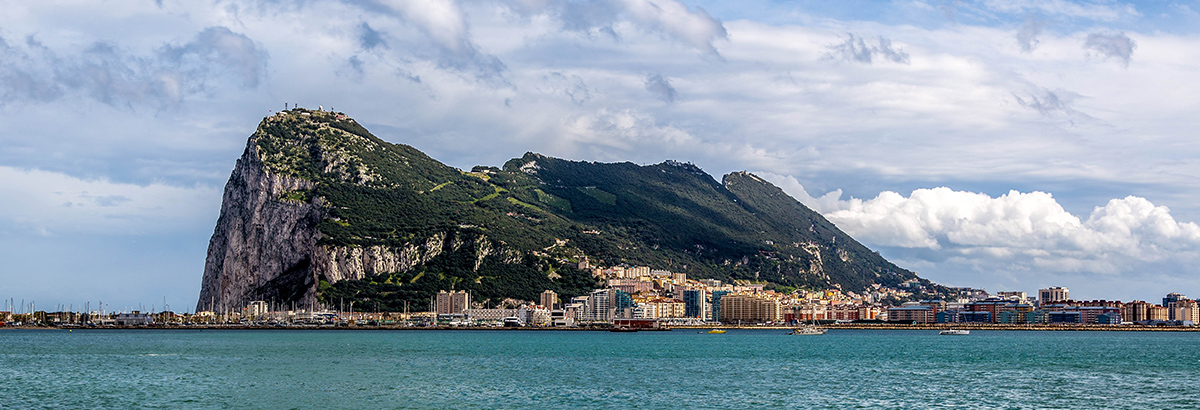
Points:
(266, 245)
(260, 237)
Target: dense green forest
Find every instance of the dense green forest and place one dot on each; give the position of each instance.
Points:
(550, 213)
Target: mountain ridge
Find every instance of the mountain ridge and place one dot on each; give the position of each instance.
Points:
(318, 208)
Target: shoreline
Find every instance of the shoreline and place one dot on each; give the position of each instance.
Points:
(850, 326)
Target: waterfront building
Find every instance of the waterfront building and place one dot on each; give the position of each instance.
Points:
(993, 306)
(1172, 298)
(134, 318)
(749, 308)
(1170, 302)
(667, 308)
(694, 303)
(489, 315)
(533, 315)
(716, 303)
(947, 316)
(453, 302)
(1065, 317)
(599, 306)
(256, 309)
(1015, 296)
(549, 298)
(911, 314)
(1185, 309)
(1135, 311)
(1054, 294)
(967, 316)
(1156, 313)
(644, 311)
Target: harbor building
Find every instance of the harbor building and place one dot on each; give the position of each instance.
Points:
(453, 302)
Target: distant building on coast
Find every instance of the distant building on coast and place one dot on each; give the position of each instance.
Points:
(549, 299)
(741, 307)
(453, 302)
(1054, 294)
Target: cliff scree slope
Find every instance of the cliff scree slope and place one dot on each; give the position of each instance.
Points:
(319, 210)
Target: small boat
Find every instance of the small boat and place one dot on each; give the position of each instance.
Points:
(622, 329)
(955, 332)
(716, 331)
(808, 330)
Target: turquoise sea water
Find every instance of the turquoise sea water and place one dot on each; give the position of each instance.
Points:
(547, 369)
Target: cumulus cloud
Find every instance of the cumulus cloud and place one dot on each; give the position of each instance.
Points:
(110, 74)
(661, 88)
(858, 49)
(694, 27)
(568, 85)
(624, 130)
(1027, 38)
(369, 38)
(1116, 46)
(1017, 229)
(444, 25)
(1052, 104)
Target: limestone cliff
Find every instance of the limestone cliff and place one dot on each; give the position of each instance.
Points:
(261, 236)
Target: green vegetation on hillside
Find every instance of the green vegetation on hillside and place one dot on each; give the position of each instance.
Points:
(546, 214)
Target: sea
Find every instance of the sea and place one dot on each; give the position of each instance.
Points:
(468, 369)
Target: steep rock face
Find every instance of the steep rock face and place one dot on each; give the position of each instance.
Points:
(260, 236)
(338, 263)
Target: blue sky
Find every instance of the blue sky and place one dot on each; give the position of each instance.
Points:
(1009, 145)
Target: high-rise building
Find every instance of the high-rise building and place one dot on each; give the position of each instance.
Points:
(741, 307)
(1169, 302)
(549, 299)
(1054, 294)
(693, 303)
(1184, 309)
(1136, 311)
(1157, 313)
(716, 303)
(599, 306)
(453, 302)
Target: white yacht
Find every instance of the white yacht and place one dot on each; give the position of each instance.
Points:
(955, 332)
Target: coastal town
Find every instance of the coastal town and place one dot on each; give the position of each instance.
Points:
(639, 297)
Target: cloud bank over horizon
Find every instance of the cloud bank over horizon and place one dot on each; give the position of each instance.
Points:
(1040, 143)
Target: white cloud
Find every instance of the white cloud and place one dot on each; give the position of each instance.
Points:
(106, 72)
(1111, 45)
(50, 203)
(1031, 230)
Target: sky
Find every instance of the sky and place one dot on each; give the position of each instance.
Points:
(1003, 145)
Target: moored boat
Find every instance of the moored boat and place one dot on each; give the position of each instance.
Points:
(955, 332)
(807, 331)
(716, 331)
